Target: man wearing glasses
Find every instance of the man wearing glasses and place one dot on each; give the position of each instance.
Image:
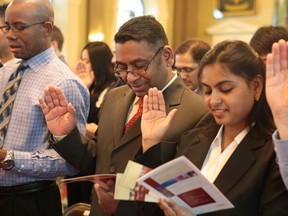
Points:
(187, 59)
(143, 60)
(29, 166)
(8, 62)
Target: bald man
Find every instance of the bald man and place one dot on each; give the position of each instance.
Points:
(29, 165)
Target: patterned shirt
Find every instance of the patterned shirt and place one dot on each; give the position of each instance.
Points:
(27, 132)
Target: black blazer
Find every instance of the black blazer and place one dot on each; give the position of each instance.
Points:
(250, 179)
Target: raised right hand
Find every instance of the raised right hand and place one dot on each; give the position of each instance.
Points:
(277, 86)
(84, 73)
(60, 115)
(155, 122)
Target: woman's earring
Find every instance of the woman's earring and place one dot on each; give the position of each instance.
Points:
(257, 96)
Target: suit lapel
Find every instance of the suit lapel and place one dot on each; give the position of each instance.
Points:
(122, 106)
(173, 94)
(201, 141)
(238, 164)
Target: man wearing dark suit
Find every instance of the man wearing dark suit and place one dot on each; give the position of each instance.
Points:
(143, 60)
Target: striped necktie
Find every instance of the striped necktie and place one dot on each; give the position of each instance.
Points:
(9, 95)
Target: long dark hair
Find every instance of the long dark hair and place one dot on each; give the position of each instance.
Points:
(100, 56)
(242, 60)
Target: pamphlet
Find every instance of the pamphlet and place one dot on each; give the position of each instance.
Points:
(181, 181)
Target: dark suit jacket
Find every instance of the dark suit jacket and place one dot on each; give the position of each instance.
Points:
(113, 148)
(250, 179)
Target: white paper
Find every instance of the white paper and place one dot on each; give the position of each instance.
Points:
(181, 181)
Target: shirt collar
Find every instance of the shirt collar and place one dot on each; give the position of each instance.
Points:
(237, 139)
(169, 83)
(37, 62)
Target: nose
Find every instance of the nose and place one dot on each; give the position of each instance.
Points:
(131, 77)
(183, 75)
(10, 35)
(214, 98)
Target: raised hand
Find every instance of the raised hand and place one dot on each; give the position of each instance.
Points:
(84, 73)
(155, 122)
(170, 208)
(277, 85)
(59, 114)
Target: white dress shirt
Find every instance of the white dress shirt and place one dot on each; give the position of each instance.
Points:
(216, 158)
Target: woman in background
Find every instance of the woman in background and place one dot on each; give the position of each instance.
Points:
(97, 72)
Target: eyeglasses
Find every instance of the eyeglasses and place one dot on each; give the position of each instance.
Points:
(17, 27)
(185, 69)
(123, 73)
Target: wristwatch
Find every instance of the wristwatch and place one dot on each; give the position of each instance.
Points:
(8, 162)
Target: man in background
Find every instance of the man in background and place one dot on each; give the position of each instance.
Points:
(8, 60)
(187, 59)
(57, 40)
(265, 37)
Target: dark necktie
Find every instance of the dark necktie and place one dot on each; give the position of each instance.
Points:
(1, 65)
(136, 116)
(9, 95)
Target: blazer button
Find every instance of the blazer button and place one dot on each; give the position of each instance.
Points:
(112, 169)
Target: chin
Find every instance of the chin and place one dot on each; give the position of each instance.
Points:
(140, 94)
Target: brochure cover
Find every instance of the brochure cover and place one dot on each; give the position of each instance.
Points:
(181, 181)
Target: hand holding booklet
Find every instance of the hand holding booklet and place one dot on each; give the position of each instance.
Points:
(181, 181)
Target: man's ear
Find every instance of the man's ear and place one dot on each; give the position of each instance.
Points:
(168, 55)
(48, 27)
(54, 43)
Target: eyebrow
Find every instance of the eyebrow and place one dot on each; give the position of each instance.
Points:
(135, 61)
(218, 84)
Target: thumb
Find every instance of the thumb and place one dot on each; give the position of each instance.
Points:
(170, 116)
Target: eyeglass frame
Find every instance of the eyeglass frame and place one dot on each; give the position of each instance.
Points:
(134, 71)
(185, 69)
(15, 29)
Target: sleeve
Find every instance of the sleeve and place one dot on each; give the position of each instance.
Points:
(78, 150)
(46, 162)
(281, 149)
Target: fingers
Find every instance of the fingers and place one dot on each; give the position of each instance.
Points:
(154, 101)
(105, 199)
(269, 66)
(71, 109)
(44, 107)
(275, 66)
(58, 96)
(283, 54)
(168, 211)
(54, 97)
(278, 60)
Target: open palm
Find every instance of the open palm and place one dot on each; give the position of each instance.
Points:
(277, 80)
(155, 122)
(60, 116)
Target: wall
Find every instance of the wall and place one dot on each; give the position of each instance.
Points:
(71, 18)
(264, 16)
(181, 19)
